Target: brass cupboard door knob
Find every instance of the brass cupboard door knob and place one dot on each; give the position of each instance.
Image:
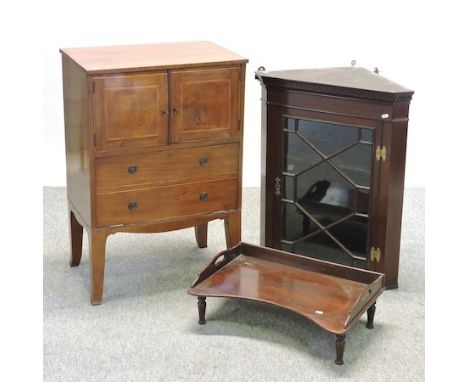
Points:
(175, 110)
(132, 169)
(204, 196)
(203, 161)
(132, 205)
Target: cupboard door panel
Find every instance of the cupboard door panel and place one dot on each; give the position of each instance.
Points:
(131, 111)
(205, 104)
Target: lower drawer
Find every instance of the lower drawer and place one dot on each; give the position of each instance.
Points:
(150, 204)
(167, 167)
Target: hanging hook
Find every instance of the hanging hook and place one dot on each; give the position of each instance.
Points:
(376, 70)
(353, 62)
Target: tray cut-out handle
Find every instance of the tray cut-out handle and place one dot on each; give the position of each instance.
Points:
(217, 262)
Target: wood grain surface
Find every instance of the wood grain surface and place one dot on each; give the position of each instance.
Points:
(127, 58)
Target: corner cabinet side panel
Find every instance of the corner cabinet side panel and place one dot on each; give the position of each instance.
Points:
(391, 195)
(264, 146)
(78, 138)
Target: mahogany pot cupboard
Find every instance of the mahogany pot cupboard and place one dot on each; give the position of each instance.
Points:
(153, 143)
(333, 165)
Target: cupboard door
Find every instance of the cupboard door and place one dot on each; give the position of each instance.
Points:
(205, 104)
(328, 173)
(131, 111)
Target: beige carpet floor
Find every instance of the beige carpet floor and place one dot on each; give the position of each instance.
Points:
(146, 329)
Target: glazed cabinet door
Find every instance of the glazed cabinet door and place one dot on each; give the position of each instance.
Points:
(325, 189)
(130, 111)
(205, 104)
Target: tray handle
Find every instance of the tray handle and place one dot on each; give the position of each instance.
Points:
(217, 262)
(365, 300)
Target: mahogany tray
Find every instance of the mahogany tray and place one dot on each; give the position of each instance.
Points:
(333, 296)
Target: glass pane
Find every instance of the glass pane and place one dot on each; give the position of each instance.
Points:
(289, 124)
(286, 247)
(328, 138)
(355, 163)
(322, 247)
(367, 135)
(359, 263)
(352, 233)
(299, 156)
(296, 224)
(325, 194)
(362, 201)
(288, 187)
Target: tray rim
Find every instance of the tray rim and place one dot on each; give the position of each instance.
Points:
(362, 303)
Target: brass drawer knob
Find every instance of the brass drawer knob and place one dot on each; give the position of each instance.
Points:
(132, 169)
(132, 205)
(204, 196)
(203, 161)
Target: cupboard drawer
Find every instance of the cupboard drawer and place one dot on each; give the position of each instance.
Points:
(155, 203)
(186, 165)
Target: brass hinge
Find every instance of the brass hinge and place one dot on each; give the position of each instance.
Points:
(381, 153)
(277, 186)
(375, 254)
(94, 139)
(238, 124)
(94, 87)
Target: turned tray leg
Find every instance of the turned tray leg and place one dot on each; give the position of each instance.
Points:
(340, 345)
(201, 310)
(370, 317)
(201, 234)
(76, 240)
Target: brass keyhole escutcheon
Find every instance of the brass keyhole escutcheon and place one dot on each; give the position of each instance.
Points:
(277, 186)
(204, 196)
(132, 205)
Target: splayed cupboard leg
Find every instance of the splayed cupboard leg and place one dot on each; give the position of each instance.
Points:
(76, 240)
(201, 234)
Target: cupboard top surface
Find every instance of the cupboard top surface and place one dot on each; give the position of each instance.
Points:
(151, 56)
(344, 81)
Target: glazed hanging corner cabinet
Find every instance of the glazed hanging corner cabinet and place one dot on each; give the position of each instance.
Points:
(333, 164)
